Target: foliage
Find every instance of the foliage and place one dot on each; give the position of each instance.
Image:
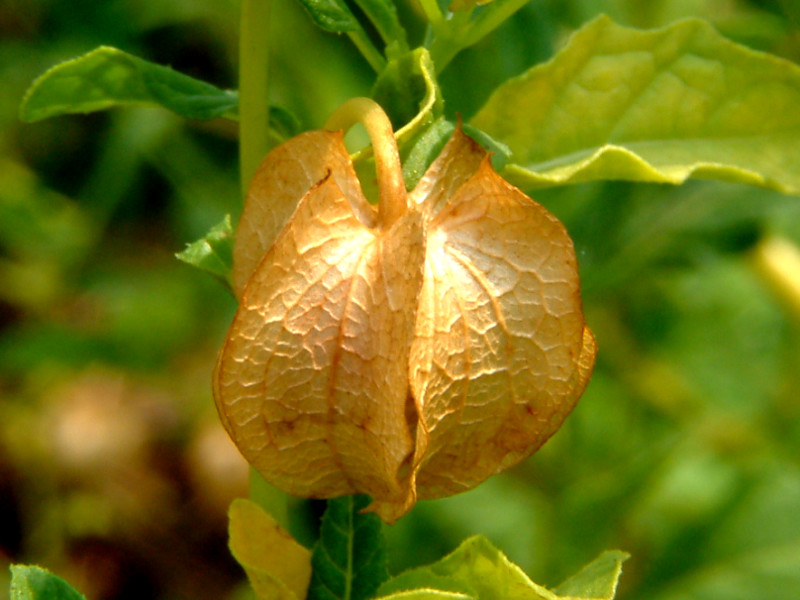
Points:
(350, 556)
(660, 106)
(683, 451)
(108, 77)
(276, 565)
(476, 569)
(35, 583)
(213, 253)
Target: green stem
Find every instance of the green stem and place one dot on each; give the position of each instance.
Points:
(253, 146)
(368, 50)
(432, 12)
(461, 31)
(253, 88)
(448, 38)
(383, 16)
(270, 498)
(491, 19)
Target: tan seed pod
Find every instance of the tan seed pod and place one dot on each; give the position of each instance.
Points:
(406, 352)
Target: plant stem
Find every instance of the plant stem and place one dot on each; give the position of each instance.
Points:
(491, 19)
(367, 49)
(461, 31)
(253, 88)
(448, 38)
(270, 498)
(391, 187)
(383, 16)
(432, 12)
(253, 146)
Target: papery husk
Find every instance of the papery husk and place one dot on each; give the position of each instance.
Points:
(404, 360)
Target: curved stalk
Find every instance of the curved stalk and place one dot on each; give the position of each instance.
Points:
(392, 189)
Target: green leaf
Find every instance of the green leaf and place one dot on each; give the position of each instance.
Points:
(476, 569)
(332, 15)
(383, 15)
(277, 566)
(427, 594)
(501, 153)
(336, 17)
(213, 252)
(108, 77)
(349, 561)
(408, 92)
(35, 583)
(661, 106)
(427, 146)
(424, 150)
(283, 124)
(598, 579)
(466, 26)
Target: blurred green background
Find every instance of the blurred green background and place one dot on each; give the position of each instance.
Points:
(114, 471)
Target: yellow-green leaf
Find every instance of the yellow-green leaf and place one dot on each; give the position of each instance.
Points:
(35, 583)
(408, 91)
(213, 252)
(277, 566)
(428, 594)
(661, 106)
(597, 580)
(476, 569)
